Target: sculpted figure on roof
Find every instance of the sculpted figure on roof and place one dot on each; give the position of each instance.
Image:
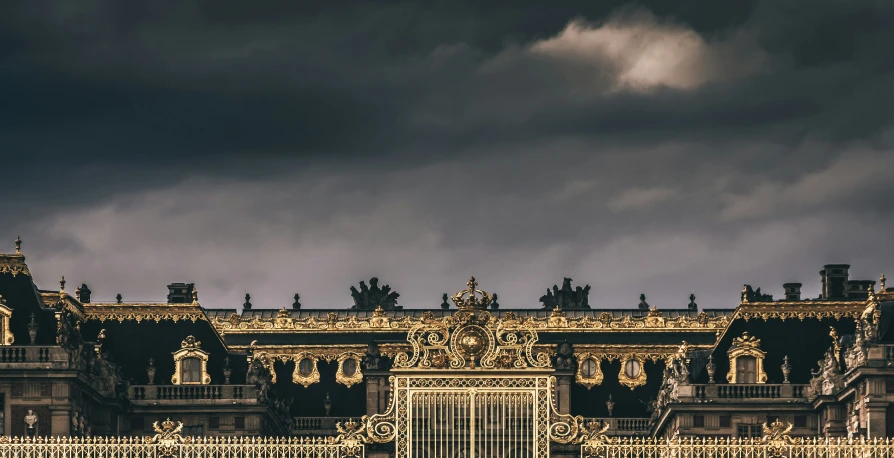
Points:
(566, 298)
(372, 296)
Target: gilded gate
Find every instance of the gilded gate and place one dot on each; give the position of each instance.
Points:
(472, 387)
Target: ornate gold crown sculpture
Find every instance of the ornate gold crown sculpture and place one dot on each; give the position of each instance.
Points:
(467, 299)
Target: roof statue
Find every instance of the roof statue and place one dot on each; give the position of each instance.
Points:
(750, 295)
(566, 298)
(372, 296)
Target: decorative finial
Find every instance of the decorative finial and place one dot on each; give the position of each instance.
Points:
(445, 305)
(744, 293)
(18, 245)
(692, 304)
(247, 304)
(494, 305)
(118, 298)
(881, 283)
(62, 284)
(195, 295)
(296, 305)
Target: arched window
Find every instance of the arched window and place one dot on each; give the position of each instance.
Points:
(191, 370)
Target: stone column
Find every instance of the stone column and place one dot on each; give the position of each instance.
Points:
(376, 392)
(876, 404)
(563, 391)
(835, 421)
(60, 421)
(876, 419)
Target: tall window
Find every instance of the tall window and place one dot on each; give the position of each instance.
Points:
(191, 370)
(749, 431)
(746, 369)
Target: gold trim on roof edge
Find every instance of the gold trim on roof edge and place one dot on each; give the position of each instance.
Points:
(13, 264)
(557, 321)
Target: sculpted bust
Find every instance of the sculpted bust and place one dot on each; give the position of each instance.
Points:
(31, 421)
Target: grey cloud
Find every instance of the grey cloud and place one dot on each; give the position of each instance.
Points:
(279, 148)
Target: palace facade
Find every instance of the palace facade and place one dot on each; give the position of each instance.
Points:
(70, 366)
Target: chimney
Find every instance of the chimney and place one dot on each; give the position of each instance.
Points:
(834, 278)
(82, 294)
(180, 293)
(792, 291)
(859, 289)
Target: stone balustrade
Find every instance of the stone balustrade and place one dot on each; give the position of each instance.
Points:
(193, 394)
(623, 426)
(34, 357)
(317, 426)
(750, 391)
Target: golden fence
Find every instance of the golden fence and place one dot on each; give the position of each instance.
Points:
(168, 443)
(739, 448)
(199, 447)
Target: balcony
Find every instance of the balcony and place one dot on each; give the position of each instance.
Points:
(150, 395)
(756, 392)
(34, 357)
(623, 426)
(316, 426)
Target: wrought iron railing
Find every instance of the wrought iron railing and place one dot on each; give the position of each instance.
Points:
(168, 443)
(634, 447)
(199, 447)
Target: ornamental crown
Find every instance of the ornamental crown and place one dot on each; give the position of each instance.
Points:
(468, 299)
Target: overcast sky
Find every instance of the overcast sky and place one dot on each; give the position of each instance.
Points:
(284, 146)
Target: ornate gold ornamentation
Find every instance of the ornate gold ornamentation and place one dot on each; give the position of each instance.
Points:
(380, 321)
(467, 299)
(746, 346)
(13, 264)
(144, 311)
(190, 350)
(342, 375)
(583, 360)
(637, 366)
(466, 341)
(308, 378)
(6, 337)
(777, 439)
(784, 310)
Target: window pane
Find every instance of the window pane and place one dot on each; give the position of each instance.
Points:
(190, 370)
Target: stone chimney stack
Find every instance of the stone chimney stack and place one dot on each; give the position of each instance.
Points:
(834, 279)
(180, 293)
(82, 294)
(792, 291)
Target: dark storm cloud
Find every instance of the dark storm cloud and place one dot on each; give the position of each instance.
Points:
(281, 146)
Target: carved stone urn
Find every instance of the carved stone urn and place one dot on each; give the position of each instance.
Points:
(227, 371)
(786, 369)
(32, 329)
(150, 371)
(711, 367)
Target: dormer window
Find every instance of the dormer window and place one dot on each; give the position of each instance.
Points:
(190, 364)
(746, 361)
